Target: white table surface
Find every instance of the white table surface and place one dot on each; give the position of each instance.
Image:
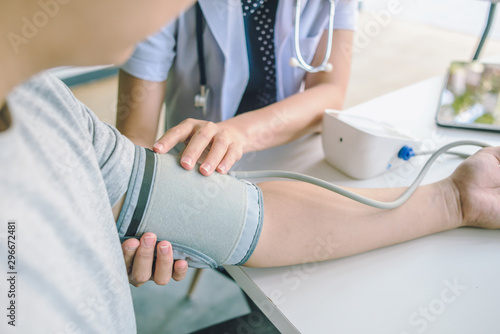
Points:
(444, 283)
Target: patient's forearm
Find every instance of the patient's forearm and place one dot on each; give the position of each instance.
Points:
(304, 223)
(218, 220)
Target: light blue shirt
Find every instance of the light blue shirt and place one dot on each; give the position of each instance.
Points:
(62, 171)
(172, 54)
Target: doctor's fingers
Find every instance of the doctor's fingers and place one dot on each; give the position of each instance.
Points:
(233, 154)
(205, 136)
(224, 152)
(178, 134)
(143, 261)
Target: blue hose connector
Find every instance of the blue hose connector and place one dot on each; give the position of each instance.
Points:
(405, 153)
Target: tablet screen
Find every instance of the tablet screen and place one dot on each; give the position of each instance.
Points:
(470, 96)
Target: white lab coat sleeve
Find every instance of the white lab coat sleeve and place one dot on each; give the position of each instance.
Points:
(154, 56)
(346, 14)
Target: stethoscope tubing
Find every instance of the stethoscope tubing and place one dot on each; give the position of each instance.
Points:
(201, 99)
(301, 62)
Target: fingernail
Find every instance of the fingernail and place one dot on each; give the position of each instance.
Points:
(187, 161)
(131, 249)
(222, 169)
(158, 146)
(149, 241)
(206, 167)
(164, 249)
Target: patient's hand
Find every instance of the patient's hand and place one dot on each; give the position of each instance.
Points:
(477, 181)
(141, 267)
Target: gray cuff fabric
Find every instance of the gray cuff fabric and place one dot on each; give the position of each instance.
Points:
(210, 221)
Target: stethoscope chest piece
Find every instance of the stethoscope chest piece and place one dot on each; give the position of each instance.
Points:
(202, 100)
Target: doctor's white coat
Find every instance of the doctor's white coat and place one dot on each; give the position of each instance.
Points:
(172, 54)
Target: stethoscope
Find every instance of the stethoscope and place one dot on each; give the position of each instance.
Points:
(299, 60)
(202, 99)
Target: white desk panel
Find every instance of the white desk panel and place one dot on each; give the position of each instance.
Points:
(444, 283)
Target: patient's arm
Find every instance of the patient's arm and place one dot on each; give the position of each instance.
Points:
(301, 219)
(314, 224)
(304, 223)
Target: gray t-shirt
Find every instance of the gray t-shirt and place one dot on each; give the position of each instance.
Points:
(61, 171)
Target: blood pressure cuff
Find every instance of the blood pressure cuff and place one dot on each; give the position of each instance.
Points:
(209, 220)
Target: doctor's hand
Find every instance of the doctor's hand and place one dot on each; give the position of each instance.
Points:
(141, 265)
(225, 145)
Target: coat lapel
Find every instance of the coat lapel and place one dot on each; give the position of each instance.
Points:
(225, 20)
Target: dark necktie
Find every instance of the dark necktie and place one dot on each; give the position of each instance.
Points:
(259, 17)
